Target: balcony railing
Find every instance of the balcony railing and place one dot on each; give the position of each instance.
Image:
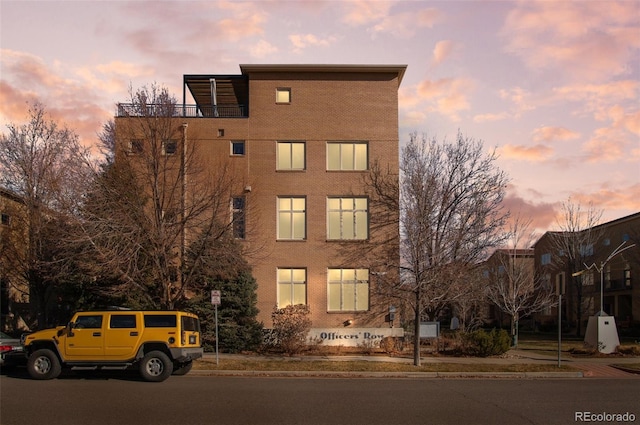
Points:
(188, 111)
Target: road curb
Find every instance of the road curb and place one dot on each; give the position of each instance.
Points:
(405, 375)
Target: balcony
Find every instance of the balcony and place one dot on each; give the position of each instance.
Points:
(187, 111)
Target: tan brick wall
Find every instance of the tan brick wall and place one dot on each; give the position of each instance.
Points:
(324, 107)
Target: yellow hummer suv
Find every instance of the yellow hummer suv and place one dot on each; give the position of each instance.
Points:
(158, 343)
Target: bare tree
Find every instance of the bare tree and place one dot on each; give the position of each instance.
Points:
(450, 198)
(46, 167)
(153, 207)
(511, 281)
(574, 245)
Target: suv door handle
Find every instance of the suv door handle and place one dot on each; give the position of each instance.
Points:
(97, 334)
(133, 333)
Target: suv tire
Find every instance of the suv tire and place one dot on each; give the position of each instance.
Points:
(156, 366)
(44, 364)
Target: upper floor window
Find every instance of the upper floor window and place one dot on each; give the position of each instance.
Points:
(292, 287)
(169, 147)
(347, 156)
(347, 218)
(283, 95)
(238, 217)
(135, 146)
(348, 290)
(292, 218)
(237, 147)
(545, 259)
(290, 156)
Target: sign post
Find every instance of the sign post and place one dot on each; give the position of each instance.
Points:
(215, 300)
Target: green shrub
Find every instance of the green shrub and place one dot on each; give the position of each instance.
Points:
(481, 343)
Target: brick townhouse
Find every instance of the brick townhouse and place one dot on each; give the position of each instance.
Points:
(303, 138)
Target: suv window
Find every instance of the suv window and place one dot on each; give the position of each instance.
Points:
(160, 321)
(89, 322)
(190, 324)
(122, 321)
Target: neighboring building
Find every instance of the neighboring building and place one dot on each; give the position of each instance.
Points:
(510, 272)
(14, 289)
(621, 290)
(303, 137)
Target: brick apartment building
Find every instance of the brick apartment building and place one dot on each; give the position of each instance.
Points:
(14, 289)
(621, 290)
(301, 138)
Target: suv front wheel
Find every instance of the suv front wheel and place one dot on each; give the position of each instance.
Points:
(44, 364)
(156, 366)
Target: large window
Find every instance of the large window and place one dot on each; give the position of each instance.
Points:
(292, 287)
(348, 289)
(292, 218)
(347, 218)
(290, 156)
(347, 156)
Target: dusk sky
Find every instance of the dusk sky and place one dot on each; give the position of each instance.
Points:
(552, 85)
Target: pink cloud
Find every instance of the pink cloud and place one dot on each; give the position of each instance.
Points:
(363, 12)
(447, 96)
(548, 134)
(442, 51)
(404, 25)
(535, 153)
(302, 41)
(583, 40)
(481, 118)
(542, 214)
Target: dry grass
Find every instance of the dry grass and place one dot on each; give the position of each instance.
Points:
(274, 364)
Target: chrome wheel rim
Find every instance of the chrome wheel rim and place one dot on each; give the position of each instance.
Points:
(155, 367)
(42, 365)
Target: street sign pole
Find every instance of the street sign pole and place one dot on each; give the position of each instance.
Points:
(215, 300)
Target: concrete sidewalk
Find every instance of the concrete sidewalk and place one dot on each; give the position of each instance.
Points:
(589, 367)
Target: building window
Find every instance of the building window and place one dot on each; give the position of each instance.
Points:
(607, 277)
(586, 250)
(545, 259)
(292, 287)
(135, 146)
(347, 156)
(292, 218)
(347, 218)
(237, 147)
(238, 216)
(627, 276)
(283, 95)
(348, 290)
(5, 219)
(290, 156)
(169, 147)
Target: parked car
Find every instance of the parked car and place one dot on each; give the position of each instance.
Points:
(157, 343)
(11, 351)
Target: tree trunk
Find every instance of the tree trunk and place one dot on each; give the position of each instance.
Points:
(416, 330)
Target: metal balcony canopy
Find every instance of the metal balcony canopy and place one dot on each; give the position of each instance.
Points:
(230, 90)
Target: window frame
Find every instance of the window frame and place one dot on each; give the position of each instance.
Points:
(291, 284)
(239, 217)
(135, 146)
(290, 144)
(292, 212)
(169, 142)
(343, 284)
(282, 91)
(234, 143)
(341, 216)
(343, 156)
